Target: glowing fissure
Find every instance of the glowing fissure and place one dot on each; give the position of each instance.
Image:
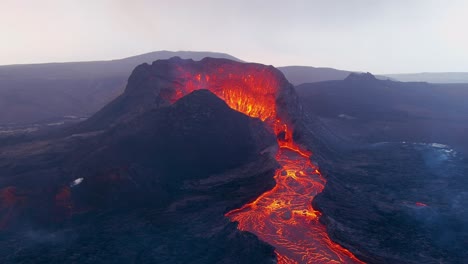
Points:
(282, 217)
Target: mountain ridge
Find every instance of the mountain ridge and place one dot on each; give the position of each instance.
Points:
(431, 77)
(41, 92)
(48, 92)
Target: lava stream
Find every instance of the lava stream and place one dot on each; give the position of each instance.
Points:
(284, 218)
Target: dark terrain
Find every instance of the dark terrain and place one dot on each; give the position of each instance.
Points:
(152, 185)
(363, 109)
(145, 181)
(398, 203)
(152, 190)
(394, 194)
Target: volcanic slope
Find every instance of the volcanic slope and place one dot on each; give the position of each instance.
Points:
(135, 144)
(152, 189)
(262, 92)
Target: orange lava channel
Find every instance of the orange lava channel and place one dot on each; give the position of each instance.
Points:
(282, 217)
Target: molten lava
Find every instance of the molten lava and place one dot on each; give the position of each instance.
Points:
(283, 217)
(253, 94)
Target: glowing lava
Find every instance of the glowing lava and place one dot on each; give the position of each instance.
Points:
(252, 92)
(283, 217)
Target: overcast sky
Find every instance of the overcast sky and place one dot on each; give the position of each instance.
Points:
(365, 35)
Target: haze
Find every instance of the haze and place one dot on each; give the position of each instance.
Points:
(378, 36)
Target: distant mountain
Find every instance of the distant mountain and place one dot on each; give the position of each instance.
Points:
(70, 70)
(46, 93)
(367, 109)
(305, 74)
(432, 77)
(40, 92)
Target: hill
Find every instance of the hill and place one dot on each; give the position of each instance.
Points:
(152, 186)
(371, 110)
(305, 74)
(432, 77)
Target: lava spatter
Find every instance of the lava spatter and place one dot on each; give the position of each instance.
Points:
(282, 217)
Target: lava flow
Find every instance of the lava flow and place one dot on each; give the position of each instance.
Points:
(282, 217)
(285, 218)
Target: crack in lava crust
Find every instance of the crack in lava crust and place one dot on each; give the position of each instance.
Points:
(282, 217)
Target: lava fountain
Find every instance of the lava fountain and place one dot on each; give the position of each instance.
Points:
(282, 217)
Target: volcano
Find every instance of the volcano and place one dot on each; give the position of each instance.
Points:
(184, 133)
(153, 189)
(256, 90)
(283, 215)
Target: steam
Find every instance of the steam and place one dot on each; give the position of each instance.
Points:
(76, 182)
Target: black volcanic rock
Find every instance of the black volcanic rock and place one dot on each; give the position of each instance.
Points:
(197, 136)
(398, 203)
(392, 195)
(152, 189)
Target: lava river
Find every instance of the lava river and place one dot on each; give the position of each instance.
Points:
(282, 217)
